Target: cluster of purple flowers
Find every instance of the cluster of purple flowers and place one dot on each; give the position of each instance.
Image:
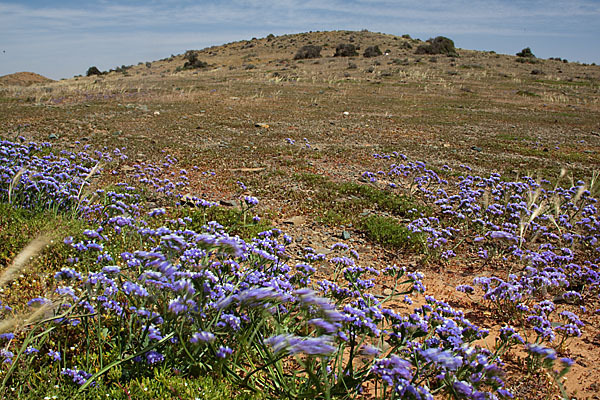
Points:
(194, 297)
(551, 231)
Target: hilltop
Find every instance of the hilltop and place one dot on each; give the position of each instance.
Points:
(23, 79)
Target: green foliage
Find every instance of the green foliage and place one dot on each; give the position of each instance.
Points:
(372, 51)
(339, 203)
(438, 45)
(231, 219)
(309, 51)
(164, 384)
(526, 52)
(389, 232)
(93, 71)
(192, 61)
(397, 204)
(345, 50)
(19, 226)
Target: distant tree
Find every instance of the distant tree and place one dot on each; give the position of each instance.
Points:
(93, 71)
(372, 51)
(526, 52)
(192, 60)
(308, 51)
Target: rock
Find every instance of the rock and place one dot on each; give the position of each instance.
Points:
(322, 250)
(561, 299)
(261, 125)
(477, 149)
(156, 112)
(295, 221)
(188, 200)
(345, 235)
(229, 203)
(117, 133)
(387, 292)
(346, 113)
(52, 136)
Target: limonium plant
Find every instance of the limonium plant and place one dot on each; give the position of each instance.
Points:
(144, 290)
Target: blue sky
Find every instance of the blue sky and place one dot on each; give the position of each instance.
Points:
(60, 39)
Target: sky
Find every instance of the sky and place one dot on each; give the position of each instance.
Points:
(60, 39)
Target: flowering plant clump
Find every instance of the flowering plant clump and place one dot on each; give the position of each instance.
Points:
(551, 231)
(144, 290)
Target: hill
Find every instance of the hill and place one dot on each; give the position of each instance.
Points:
(23, 79)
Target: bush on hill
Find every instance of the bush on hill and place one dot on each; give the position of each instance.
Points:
(192, 60)
(372, 51)
(308, 51)
(438, 45)
(526, 52)
(93, 71)
(345, 50)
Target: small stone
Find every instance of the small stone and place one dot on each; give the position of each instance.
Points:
(229, 203)
(295, 221)
(477, 149)
(387, 292)
(345, 235)
(52, 136)
(188, 200)
(117, 133)
(322, 250)
(261, 125)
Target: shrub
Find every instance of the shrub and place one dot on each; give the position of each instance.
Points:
(192, 60)
(308, 51)
(528, 60)
(526, 52)
(93, 71)
(372, 51)
(438, 45)
(345, 50)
